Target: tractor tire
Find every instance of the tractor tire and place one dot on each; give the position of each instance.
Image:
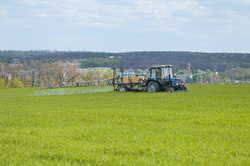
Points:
(170, 90)
(184, 88)
(121, 89)
(153, 87)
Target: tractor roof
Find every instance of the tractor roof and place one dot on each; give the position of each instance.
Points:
(161, 66)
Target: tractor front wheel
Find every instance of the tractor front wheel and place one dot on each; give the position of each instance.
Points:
(122, 89)
(170, 90)
(153, 87)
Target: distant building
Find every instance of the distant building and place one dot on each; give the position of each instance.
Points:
(189, 67)
(95, 68)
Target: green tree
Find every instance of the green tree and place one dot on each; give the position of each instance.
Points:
(99, 62)
(15, 83)
(2, 83)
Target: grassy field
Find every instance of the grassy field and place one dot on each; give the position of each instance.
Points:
(209, 125)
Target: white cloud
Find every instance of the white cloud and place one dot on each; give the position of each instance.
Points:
(98, 13)
(164, 15)
(245, 1)
(3, 12)
(168, 8)
(86, 12)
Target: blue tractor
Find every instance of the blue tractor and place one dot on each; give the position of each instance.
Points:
(159, 79)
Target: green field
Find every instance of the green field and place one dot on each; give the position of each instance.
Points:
(209, 125)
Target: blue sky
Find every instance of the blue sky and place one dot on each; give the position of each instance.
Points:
(125, 25)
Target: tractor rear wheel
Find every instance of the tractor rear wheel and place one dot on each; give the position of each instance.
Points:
(153, 87)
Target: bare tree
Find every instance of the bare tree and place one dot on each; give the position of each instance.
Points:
(65, 75)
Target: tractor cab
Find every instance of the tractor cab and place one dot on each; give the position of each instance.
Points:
(161, 78)
(161, 72)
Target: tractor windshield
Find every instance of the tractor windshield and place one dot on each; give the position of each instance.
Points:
(155, 73)
(167, 72)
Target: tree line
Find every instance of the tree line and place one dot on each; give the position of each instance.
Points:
(55, 74)
(199, 60)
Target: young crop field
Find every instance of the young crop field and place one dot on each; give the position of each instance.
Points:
(206, 126)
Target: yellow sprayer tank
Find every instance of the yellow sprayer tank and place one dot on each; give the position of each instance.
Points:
(134, 79)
